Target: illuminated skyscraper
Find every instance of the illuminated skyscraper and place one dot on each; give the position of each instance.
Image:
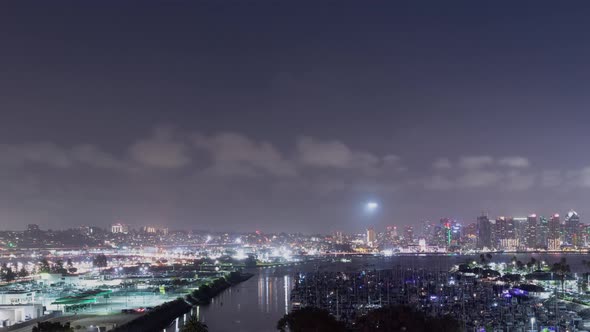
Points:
(520, 230)
(409, 235)
(427, 231)
(542, 231)
(554, 233)
(371, 237)
(446, 231)
(339, 237)
(531, 231)
(500, 231)
(484, 232)
(572, 228)
(119, 228)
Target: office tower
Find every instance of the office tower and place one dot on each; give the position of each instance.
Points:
(409, 235)
(584, 235)
(428, 232)
(445, 225)
(484, 232)
(554, 233)
(503, 234)
(542, 231)
(531, 231)
(438, 236)
(371, 237)
(520, 228)
(338, 237)
(506, 238)
(571, 228)
(119, 228)
(469, 236)
(33, 228)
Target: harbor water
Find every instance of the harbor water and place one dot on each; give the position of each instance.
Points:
(258, 303)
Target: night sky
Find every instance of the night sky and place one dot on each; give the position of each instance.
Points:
(290, 115)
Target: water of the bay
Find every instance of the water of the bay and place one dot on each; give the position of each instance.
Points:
(257, 304)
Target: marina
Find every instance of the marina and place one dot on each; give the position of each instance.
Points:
(481, 299)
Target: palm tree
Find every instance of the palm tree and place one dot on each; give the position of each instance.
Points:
(561, 269)
(531, 264)
(482, 259)
(310, 319)
(194, 325)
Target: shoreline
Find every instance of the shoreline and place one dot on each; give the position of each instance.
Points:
(165, 314)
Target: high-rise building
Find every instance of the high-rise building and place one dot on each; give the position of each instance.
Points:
(409, 235)
(391, 236)
(428, 232)
(572, 228)
(554, 233)
(338, 237)
(150, 229)
(584, 235)
(504, 234)
(520, 230)
(542, 231)
(484, 232)
(119, 228)
(446, 229)
(371, 237)
(439, 237)
(33, 228)
(469, 236)
(531, 231)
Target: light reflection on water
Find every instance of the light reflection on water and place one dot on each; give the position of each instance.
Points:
(235, 310)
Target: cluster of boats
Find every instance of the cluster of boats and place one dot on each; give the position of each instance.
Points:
(480, 304)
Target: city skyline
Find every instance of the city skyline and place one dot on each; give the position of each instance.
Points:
(240, 117)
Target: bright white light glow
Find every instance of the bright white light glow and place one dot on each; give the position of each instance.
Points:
(372, 206)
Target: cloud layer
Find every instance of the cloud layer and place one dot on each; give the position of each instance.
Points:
(173, 174)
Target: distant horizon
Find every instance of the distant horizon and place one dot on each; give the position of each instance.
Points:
(137, 226)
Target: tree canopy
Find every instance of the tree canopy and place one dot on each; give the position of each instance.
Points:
(194, 325)
(387, 319)
(52, 327)
(310, 320)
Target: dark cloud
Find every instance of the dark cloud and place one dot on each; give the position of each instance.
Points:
(432, 110)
